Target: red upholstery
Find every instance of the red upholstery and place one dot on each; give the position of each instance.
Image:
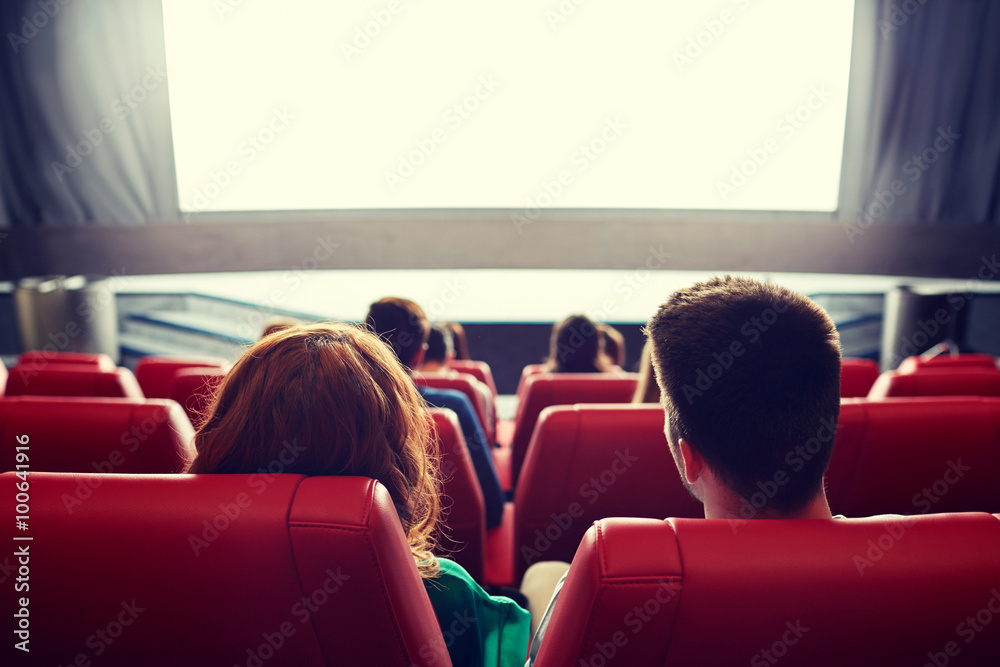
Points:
(857, 377)
(477, 369)
(41, 358)
(193, 388)
(526, 372)
(877, 591)
(916, 364)
(972, 381)
(217, 569)
(463, 507)
(156, 374)
(467, 385)
(119, 435)
(72, 380)
(545, 389)
(589, 462)
(915, 456)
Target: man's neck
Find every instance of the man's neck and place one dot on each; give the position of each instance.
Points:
(726, 508)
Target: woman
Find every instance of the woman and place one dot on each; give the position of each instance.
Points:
(576, 346)
(340, 392)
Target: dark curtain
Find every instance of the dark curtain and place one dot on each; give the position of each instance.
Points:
(932, 148)
(84, 121)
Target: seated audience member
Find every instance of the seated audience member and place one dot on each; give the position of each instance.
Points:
(461, 341)
(646, 390)
(336, 395)
(779, 387)
(576, 346)
(278, 324)
(614, 345)
(403, 325)
(441, 350)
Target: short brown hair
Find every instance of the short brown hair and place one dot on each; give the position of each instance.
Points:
(402, 324)
(327, 399)
(749, 372)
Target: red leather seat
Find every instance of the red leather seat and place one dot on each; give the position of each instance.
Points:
(527, 372)
(156, 374)
(956, 361)
(857, 377)
(41, 358)
(465, 384)
(589, 462)
(477, 369)
(876, 591)
(111, 435)
(463, 508)
(193, 388)
(72, 380)
(220, 570)
(970, 381)
(545, 389)
(915, 456)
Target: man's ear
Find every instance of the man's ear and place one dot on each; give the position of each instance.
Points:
(694, 462)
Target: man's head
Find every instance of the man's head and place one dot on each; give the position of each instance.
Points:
(750, 379)
(403, 325)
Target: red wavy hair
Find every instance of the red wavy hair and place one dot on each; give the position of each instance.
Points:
(339, 393)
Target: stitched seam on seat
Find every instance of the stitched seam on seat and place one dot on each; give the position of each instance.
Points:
(295, 564)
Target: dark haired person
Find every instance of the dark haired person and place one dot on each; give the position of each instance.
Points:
(404, 326)
(576, 346)
(440, 351)
(614, 344)
(749, 372)
(646, 390)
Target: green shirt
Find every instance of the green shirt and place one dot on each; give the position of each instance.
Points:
(479, 629)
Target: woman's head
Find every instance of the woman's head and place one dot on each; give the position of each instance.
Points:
(576, 347)
(336, 397)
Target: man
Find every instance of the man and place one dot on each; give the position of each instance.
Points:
(748, 373)
(437, 357)
(404, 326)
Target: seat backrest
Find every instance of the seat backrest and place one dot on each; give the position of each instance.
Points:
(156, 374)
(915, 456)
(119, 435)
(40, 358)
(917, 364)
(527, 372)
(589, 462)
(463, 538)
(857, 377)
(477, 369)
(72, 380)
(221, 570)
(194, 388)
(544, 389)
(876, 591)
(467, 385)
(967, 381)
